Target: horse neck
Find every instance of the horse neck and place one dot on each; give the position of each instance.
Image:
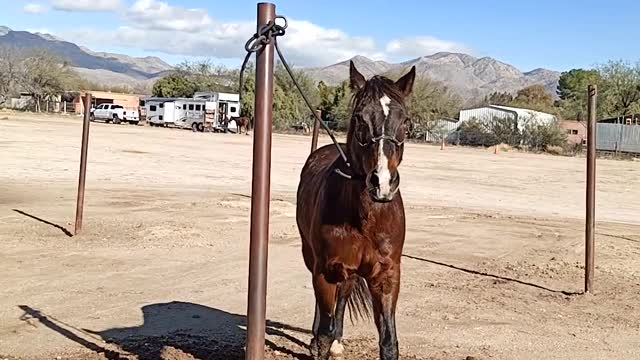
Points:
(351, 149)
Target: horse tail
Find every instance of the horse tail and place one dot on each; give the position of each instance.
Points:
(359, 301)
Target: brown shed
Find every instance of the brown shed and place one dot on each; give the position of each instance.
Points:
(576, 131)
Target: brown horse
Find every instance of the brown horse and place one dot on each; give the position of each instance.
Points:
(242, 122)
(351, 218)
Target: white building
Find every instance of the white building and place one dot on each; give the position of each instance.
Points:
(519, 115)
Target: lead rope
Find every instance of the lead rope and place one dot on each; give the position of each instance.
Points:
(263, 37)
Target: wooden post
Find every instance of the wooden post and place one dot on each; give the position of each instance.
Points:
(83, 164)
(591, 191)
(316, 131)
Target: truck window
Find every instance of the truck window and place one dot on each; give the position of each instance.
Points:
(198, 107)
(190, 106)
(152, 108)
(117, 107)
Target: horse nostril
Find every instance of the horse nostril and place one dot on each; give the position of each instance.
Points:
(374, 180)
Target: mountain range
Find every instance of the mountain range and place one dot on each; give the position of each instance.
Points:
(467, 76)
(463, 74)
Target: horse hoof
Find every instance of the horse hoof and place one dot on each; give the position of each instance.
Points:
(336, 349)
(314, 348)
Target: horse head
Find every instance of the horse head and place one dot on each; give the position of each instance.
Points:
(379, 123)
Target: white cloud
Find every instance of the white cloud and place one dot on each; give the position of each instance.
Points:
(87, 5)
(422, 45)
(34, 9)
(158, 15)
(157, 26)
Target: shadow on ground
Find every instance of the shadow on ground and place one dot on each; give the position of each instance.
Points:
(178, 330)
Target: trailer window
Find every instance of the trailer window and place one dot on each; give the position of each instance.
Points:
(161, 105)
(198, 107)
(190, 106)
(233, 109)
(153, 108)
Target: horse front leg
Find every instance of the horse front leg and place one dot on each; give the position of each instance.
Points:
(384, 293)
(325, 303)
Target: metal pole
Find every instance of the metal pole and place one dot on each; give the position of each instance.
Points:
(591, 190)
(256, 309)
(83, 163)
(316, 131)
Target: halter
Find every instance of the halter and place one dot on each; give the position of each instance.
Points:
(374, 140)
(371, 142)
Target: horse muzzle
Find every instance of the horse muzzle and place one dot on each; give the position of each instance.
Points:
(383, 187)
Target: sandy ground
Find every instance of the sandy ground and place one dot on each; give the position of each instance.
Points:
(493, 266)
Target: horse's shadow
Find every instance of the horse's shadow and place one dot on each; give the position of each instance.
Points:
(197, 330)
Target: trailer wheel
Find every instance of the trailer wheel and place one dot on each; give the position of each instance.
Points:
(194, 127)
(201, 127)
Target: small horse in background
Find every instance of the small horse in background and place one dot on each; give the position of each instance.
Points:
(351, 219)
(242, 122)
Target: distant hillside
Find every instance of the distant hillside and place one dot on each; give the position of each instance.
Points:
(101, 68)
(468, 76)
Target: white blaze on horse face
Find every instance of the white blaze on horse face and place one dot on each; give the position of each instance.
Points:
(384, 175)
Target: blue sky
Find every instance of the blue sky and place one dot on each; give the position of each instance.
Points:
(558, 35)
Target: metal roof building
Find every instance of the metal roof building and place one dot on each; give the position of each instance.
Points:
(520, 115)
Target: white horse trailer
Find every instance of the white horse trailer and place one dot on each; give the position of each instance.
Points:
(211, 110)
(190, 114)
(155, 111)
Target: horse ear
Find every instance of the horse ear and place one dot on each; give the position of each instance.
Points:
(356, 79)
(405, 83)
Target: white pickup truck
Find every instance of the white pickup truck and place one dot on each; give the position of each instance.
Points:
(115, 113)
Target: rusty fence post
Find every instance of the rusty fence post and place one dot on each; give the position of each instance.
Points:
(83, 163)
(260, 193)
(591, 190)
(316, 131)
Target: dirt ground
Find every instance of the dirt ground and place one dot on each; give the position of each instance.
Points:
(493, 265)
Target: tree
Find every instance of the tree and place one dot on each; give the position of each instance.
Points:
(572, 90)
(539, 136)
(620, 87)
(498, 98)
(573, 84)
(176, 84)
(289, 106)
(341, 110)
(327, 99)
(43, 75)
(505, 130)
(209, 77)
(429, 102)
(9, 66)
(475, 133)
(534, 97)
